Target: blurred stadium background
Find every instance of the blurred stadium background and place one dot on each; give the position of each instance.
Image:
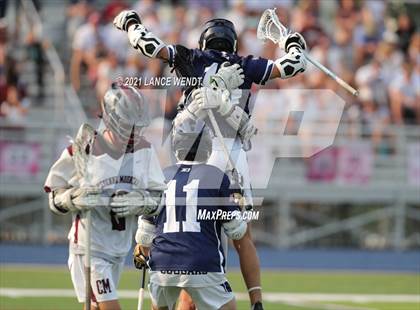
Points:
(354, 207)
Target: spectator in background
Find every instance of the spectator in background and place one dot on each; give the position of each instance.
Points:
(404, 93)
(34, 48)
(12, 109)
(77, 13)
(406, 29)
(3, 55)
(414, 49)
(341, 53)
(107, 73)
(369, 79)
(111, 38)
(134, 65)
(389, 56)
(112, 8)
(305, 21)
(347, 15)
(366, 36)
(86, 45)
(374, 117)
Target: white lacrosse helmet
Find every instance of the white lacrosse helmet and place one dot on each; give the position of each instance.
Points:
(125, 112)
(191, 141)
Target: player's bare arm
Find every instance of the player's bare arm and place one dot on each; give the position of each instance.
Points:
(249, 261)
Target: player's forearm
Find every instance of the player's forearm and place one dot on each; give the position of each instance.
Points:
(146, 42)
(250, 266)
(163, 54)
(145, 250)
(294, 61)
(140, 38)
(289, 65)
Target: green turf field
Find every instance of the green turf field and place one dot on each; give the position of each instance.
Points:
(300, 284)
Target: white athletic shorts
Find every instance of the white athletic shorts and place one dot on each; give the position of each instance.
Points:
(105, 276)
(205, 298)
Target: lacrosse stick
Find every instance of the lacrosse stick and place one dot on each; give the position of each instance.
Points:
(141, 290)
(230, 163)
(81, 149)
(219, 136)
(236, 178)
(88, 287)
(271, 28)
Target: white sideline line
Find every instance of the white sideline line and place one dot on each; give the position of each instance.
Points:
(356, 298)
(312, 305)
(271, 297)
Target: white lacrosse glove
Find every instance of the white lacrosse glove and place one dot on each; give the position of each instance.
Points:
(293, 40)
(246, 132)
(228, 76)
(133, 203)
(235, 229)
(124, 18)
(211, 98)
(146, 232)
(88, 198)
(78, 199)
(195, 110)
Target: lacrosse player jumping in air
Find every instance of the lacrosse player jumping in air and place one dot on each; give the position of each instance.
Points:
(116, 175)
(217, 46)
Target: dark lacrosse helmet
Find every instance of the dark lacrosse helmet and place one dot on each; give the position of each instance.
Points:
(219, 34)
(191, 141)
(125, 112)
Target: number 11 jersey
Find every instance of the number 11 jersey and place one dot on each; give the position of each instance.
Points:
(188, 245)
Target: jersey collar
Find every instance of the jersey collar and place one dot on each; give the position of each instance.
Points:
(186, 162)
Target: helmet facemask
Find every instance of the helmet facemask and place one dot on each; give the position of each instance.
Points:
(125, 114)
(219, 34)
(191, 143)
(220, 44)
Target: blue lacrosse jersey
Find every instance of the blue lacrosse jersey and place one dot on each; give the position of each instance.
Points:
(256, 69)
(184, 242)
(195, 62)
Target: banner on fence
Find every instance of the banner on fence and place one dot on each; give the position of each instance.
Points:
(19, 159)
(322, 166)
(355, 163)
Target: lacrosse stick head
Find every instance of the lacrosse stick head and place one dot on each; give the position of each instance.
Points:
(82, 148)
(271, 28)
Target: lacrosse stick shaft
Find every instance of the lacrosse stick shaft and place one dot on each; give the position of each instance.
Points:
(88, 288)
(332, 75)
(271, 28)
(225, 150)
(220, 138)
(141, 291)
